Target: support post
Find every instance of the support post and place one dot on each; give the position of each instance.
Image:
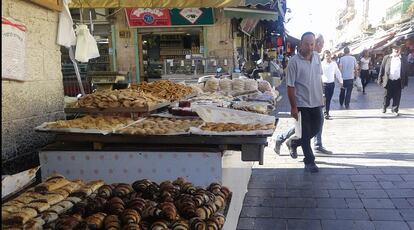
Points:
(137, 67)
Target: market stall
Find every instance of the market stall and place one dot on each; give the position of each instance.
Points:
(163, 130)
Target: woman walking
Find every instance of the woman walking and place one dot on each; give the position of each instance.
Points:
(365, 64)
(330, 70)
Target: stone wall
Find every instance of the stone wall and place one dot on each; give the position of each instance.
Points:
(27, 104)
(220, 41)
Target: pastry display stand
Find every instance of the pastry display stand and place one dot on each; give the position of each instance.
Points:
(200, 159)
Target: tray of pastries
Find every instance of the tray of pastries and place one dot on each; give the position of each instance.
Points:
(166, 90)
(59, 203)
(161, 126)
(87, 124)
(124, 100)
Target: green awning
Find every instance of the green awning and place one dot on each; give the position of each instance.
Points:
(250, 14)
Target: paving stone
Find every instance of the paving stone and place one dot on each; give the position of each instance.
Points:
(326, 185)
(384, 214)
(394, 170)
(369, 171)
(269, 223)
(346, 185)
(400, 193)
(299, 185)
(264, 201)
(390, 225)
(301, 203)
(372, 193)
(411, 201)
(387, 177)
(367, 185)
(378, 203)
(347, 225)
(409, 177)
(318, 213)
(288, 213)
(343, 193)
(331, 203)
(260, 192)
(387, 185)
(403, 184)
(351, 214)
(256, 212)
(264, 184)
(245, 223)
(401, 203)
(407, 214)
(354, 203)
(362, 178)
(303, 224)
(411, 224)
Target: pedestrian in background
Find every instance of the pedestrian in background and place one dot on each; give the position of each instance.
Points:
(393, 77)
(365, 63)
(348, 66)
(330, 71)
(305, 95)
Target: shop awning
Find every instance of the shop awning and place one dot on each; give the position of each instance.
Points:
(155, 3)
(246, 13)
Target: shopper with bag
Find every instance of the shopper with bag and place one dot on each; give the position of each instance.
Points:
(349, 67)
(393, 77)
(306, 96)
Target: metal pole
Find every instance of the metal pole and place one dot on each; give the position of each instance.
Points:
(75, 65)
(113, 35)
(136, 56)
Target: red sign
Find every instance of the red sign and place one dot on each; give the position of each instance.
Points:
(142, 17)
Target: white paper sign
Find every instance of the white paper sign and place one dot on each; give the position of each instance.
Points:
(13, 54)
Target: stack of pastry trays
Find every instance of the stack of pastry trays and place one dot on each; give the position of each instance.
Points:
(62, 204)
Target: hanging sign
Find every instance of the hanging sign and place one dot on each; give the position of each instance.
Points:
(144, 17)
(247, 25)
(162, 17)
(13, 54)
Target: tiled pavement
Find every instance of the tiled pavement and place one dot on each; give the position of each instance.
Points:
(368, 183)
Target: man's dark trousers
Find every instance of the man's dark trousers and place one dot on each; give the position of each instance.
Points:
(393, 91)
(346, 91)
(311, 125)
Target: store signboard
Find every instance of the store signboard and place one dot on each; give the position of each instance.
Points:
(144, 17)
(247, 25)
(162, 17)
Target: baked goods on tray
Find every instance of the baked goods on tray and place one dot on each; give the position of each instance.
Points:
(164, 89)
(92, 122)
(161, 126)
(124, 98)
(231, 127)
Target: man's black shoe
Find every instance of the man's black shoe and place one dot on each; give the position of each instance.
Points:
(327, 117)
(312, 168)
(278, 144)
(384, 110)
(292, 149)
(322, 150)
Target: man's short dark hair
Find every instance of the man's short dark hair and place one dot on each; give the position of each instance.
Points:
(306, 34)
(396, 46)
(346, 50)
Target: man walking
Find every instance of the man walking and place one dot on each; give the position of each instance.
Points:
(348, 66)
(305, 95)
(318, 147)
(393, 77)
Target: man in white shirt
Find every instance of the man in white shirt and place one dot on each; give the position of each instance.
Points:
(330, 71)
(393, 77)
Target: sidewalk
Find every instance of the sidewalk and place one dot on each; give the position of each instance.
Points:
(368, 183)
